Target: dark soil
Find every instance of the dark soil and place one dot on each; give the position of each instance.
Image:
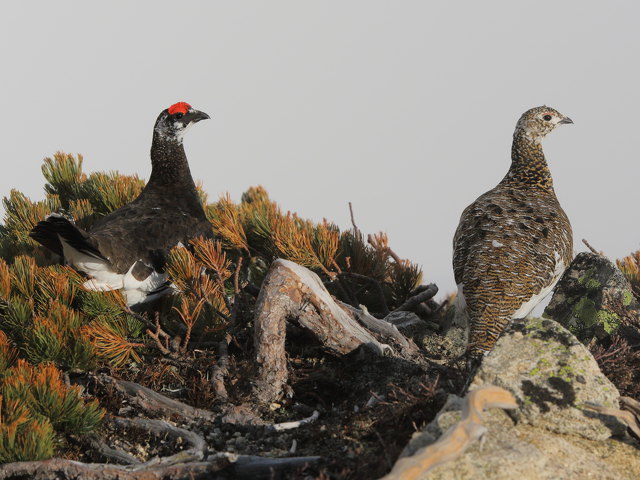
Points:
(369, 407)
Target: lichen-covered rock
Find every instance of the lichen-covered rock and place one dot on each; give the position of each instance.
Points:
(594, 299)
(509, 451)
(552, 375)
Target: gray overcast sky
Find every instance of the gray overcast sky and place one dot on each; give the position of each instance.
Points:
(404, 108)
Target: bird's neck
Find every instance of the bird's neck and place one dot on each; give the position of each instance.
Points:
(169, 164)
(529, 168)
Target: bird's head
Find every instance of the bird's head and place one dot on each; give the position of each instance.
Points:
(538, 122)
(173, 122)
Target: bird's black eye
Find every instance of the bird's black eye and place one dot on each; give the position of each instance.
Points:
(180, 115)
(547, 117)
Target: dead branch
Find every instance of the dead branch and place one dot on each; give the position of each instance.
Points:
(410, 304)
(62, 469)
(456, 440)
(221, 369)
(236, 276)
(155, 403)
(291, 291)
(161, 428)
(389, 331)
(107, 452)
(281, 427)
(593, 250)
(236, 466)
(356, 230)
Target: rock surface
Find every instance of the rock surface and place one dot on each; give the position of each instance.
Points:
(525, 452)
(594, 299)
(552, 375)
(550, 436)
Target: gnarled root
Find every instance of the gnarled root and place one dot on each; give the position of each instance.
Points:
(293, 292)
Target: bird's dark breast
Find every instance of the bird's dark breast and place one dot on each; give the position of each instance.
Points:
(147, 235)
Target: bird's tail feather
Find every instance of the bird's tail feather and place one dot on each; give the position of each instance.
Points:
(49, 231)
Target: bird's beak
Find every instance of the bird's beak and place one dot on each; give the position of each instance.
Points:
(566, 120)
(194, 116)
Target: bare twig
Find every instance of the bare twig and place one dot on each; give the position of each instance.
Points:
(356, 230)
(593, 250)
(156, 336)
(236, 276)
(281, 427)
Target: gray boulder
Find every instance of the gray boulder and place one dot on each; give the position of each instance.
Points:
(525, 452)
(593, 299)
(552, 375)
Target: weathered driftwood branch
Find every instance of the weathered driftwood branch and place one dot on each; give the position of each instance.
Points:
(292, 292)
(456, 440)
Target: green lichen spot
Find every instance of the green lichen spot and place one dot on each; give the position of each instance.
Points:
(566, 373)
(534, 372)
(627, 297)
(586, 311)
(609, 320)
(588, 281)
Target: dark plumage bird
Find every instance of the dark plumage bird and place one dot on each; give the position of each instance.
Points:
(513, 242)
(127, 249)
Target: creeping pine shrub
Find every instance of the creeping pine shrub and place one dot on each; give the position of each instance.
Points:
(34, 405)
(49, 322)
(630, 267)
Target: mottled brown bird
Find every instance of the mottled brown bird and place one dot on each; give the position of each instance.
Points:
(514, 241)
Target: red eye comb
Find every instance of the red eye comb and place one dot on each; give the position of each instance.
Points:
(181, 107)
